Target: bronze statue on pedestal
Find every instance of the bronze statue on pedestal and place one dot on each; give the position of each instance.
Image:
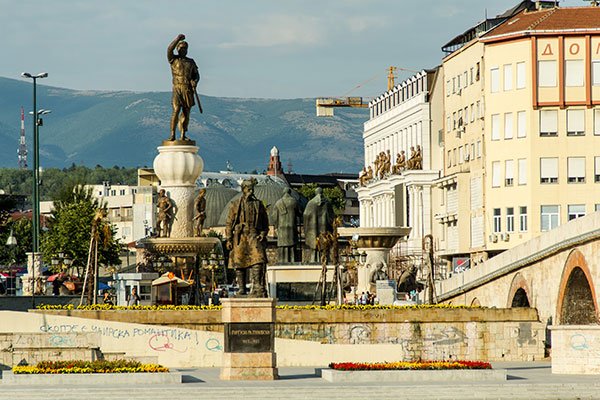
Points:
(164, 218)
(246, 232)
(285, 215)
(185, 79)
(200, 207)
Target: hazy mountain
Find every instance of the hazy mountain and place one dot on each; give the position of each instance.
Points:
(124, 128)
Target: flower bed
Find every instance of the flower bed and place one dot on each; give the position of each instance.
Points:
(410, 365)
(119, 372)
(412, 371)
(87, 367)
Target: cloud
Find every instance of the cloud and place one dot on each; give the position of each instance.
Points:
(278, 30)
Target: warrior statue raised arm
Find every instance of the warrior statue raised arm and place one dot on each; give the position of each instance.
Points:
(185, 79)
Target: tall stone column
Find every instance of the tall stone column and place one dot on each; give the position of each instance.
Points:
(178, 165)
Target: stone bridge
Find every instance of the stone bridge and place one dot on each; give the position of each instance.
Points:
(558, 273)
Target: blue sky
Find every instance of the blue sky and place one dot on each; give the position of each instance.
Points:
(244, 48)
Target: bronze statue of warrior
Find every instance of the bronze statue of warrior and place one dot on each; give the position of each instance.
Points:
(185, 79)
(246, 232)
(200, 207)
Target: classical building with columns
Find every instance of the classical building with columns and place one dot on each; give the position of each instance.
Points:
(403, 119)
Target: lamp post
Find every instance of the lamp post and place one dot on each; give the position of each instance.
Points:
(35, 195)
(11, 242)
(212, 262)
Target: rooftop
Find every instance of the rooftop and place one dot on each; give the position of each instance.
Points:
(563, 20)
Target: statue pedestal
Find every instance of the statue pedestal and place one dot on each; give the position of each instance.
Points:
(34, 273)
(249, 352)
(178, 166)
(386, 291)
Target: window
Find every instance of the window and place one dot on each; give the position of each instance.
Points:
(494, 80)
(549, 123)
(448, 124)
(453, 85)
(496, 174)
(479, 110)
(497, 220)
(522, 219)
(509, 172)
(465, 79)
(472, 75)
(520, 75)
(597, 169)
(461, 155)
(597, 207)
(521, 124)
(576, 169)
(508, 84)
(522, 171)
(575, 122)
(597, 121)
(449, 158)
(510, 219)
(454, 120)
(479, 149)
(508, 126)
(596, 72)
(122, 192)
(113, 192)
(547, 73)
(549, 217)
(472, 112)
(466, 114)
(574, 73)
(575, 211)
(548, 170)
(496, 127)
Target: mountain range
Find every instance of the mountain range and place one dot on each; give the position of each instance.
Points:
(124, 128)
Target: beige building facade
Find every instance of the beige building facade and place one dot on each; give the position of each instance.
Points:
(522, 129)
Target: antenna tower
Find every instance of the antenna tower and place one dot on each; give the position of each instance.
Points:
(22, 150)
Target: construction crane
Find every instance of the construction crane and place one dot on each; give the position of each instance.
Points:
(325, 105)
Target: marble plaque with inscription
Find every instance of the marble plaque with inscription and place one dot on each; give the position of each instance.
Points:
(249, 337)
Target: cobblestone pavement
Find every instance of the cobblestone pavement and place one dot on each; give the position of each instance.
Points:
(532, 380)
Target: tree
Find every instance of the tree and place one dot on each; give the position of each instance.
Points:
(335, 195)
(69, 230)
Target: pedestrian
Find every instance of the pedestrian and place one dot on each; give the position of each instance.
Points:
(133, 299)
(107, 298)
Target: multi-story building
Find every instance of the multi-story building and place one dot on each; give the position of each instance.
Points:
(522, 125)
(400, 119)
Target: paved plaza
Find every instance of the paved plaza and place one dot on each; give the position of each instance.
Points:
(527, 380)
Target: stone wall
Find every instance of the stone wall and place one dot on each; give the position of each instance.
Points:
(473, 334)
(575, 349)
(31, 348)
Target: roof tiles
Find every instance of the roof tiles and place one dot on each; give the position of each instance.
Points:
(554, 19)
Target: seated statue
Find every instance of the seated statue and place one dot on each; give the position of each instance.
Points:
(410, 164)
(400, 163)
(379, 274)
(362, 177)
(418, 163)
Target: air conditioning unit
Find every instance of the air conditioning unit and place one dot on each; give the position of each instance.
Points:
(493, 238)
(505, 237)
(467, 157)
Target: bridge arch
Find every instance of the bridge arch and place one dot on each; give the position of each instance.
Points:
(576, 302)
(519, 294)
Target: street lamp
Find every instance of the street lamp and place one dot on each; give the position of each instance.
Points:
(36, 162)
(11, 242)
(212, 262)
